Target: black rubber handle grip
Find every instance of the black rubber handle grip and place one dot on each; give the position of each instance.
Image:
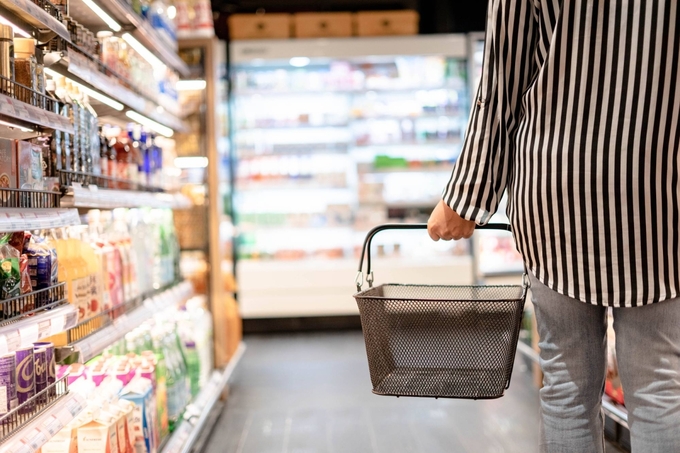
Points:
(366, 250)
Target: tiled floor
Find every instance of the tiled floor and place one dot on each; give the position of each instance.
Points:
(310, 393)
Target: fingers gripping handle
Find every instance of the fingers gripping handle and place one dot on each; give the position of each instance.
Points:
(366, 250)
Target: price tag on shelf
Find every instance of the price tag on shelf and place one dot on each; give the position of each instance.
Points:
(44, 329)
(57, 324)
(70, 320)
(52, 426)
(29, 334)
(6, 106)
(13, 340)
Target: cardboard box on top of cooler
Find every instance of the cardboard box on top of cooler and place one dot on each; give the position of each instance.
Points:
(260, 26)
(140, 392)
(323, 25)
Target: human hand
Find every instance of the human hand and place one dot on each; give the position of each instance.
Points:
(446, 224)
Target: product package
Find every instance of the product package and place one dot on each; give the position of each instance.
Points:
(99, 434)
(10, 274)
(140, 392)
(30, 171)
(8, 164)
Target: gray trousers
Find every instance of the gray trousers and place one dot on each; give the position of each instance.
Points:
(573, 340)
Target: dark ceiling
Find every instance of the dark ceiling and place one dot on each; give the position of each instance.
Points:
(436, 16)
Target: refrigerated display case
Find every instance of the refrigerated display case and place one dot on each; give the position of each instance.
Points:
(206, 230)
(331, 138)
(496, 256)
(113, 302)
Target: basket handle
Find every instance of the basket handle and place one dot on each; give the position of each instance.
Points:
(366, 250)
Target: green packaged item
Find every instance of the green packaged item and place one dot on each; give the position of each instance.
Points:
(10, 275)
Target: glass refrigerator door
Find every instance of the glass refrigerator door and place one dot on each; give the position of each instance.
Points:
(329, 147)
(495, 251)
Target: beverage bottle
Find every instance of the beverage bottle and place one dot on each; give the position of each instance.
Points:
(56, 137)
(136, 160)
(76, 161)
(67, 139)
(123, 159)
(114, 263)
(162, 376)
(94, 262)
(79, 290)
(103, 153)
(145, 166)
(102, 251)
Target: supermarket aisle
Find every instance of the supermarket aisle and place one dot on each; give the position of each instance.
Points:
(311, 393)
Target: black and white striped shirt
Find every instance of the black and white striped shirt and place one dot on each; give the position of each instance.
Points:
(577, 115)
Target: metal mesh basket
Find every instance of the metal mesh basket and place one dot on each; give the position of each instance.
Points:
(439, 341)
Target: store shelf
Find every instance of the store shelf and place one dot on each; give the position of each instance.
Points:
(92, 197)
(438, 169)
(455, 141)
(27, 13)
(95, 343)
(139, 28)
(36, 433)
(28, 116)
(27, 331)
(17, 219)
(77, 67)
(615, 411)
(197, 413)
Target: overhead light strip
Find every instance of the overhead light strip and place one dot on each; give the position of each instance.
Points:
(151, 124)
(113, 25)
(143, 51)
(90, 92)
(19, 31)
(15, 126)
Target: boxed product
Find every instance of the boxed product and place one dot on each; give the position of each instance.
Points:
(99, 434)
(140, 392)
(385, 23)
(259, 26)
(8, 164)
(30, 171)
(65, 441)
(323, 25)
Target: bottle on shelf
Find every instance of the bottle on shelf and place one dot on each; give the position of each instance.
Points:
(122, 152)
(6, 59)
(61, 92)
(136, 158)
(56, 138)
(26, 70)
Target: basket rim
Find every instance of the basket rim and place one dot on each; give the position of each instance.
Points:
(361, 295)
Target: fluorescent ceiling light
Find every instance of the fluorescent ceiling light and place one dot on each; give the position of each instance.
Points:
(191, 162)
(191, 85)
(90, 92)
(143, 51)
(100, 97)
(113, 25)
(15, 126)
(17, 30)
(151, 124)
(299, 62)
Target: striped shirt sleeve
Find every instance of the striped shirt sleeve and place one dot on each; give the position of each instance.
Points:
(481, 173)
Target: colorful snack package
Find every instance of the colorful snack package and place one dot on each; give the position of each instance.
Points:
(10, 276)
(26, 285)
(39, 264)
(17, 240)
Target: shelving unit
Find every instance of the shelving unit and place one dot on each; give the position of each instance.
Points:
(29, 15)
(35, 434)
(94, 344)
(25, 332)
(13, 219)
(198, 412)
(123, 13)
(93, 197)
(76, 67)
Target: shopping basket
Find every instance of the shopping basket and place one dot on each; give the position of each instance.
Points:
(435, 340)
